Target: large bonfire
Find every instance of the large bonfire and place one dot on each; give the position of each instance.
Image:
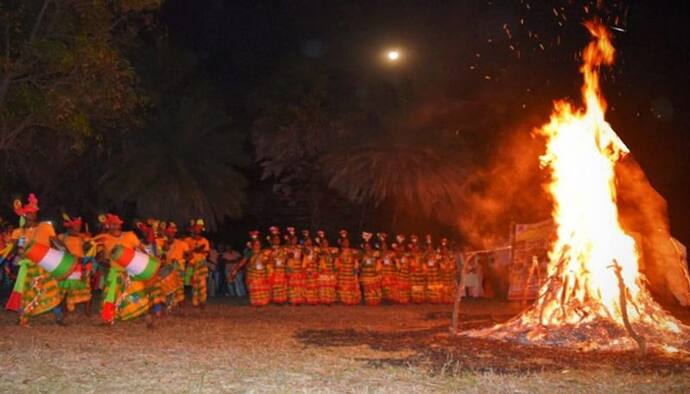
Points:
(594, 297)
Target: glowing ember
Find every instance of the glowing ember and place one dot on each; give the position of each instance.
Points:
(593, 259)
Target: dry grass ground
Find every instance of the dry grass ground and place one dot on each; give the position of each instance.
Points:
(231, 347)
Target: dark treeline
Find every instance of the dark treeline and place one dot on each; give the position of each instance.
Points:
(250, 113)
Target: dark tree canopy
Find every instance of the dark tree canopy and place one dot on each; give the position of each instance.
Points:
(250, 114)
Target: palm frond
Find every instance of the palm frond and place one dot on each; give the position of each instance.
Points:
(185, 166)
(417, 178)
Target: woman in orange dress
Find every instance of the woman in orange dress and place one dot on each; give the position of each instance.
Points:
(257, 273)
(417, 273)
(402, 271)
(387, 263)
(278, 276)
(295, 270)
(311, 269)
(326, 263)
(347, 267)
(370, 274)
(434, 286)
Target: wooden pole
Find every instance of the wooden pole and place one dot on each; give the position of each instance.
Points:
(641, 342)
(458, 294)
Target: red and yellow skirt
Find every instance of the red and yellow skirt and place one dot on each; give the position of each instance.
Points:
(371, 287)
(388, 286)
(279, 288)
(296, 284)
(402, 289)
(327, 284)
(311, 293)
(259, 290)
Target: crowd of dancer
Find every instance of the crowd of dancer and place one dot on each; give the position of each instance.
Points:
(311, 271)
(136, 276)
(152, 273)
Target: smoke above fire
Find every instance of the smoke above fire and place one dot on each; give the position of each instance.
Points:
(508, 189)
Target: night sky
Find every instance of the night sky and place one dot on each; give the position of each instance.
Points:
(522, 54)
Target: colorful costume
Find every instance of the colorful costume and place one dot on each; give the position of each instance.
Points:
(279, 283)
(173, 256)
(132, 298)
(35, 291)
(347, 267)
(124, 297)
(199, 248)
(311, 268)
(297, 278)
(417, 272)
(40, 293)
(402, 272)
(150, 238)
(257, 276)
(387, 263)
(278, 268)
(150, 242)
(434, 286)
(326, 278)
(77, 286)
(370, 273)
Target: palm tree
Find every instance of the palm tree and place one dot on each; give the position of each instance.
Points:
(301, 113)
(185, 165)
(413, 178)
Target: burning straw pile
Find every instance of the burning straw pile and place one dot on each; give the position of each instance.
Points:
(594, 297)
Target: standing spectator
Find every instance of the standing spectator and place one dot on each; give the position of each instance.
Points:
(235, 286)
(6, 256)
(475, 278)
(213, 269)
(222, 281)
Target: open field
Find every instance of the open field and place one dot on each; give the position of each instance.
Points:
(231, 347)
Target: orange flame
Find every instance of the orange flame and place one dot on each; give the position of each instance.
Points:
(583, 290)
(581, 152)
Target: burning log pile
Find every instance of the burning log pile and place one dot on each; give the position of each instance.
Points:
(595, 296)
